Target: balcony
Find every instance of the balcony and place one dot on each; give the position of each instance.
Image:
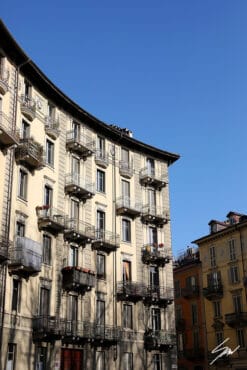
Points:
(80, 144)
(101, 158)
(8, 136)
(130, 291)
(213, 292)
(28, 107)
(180, 324)
(190, 292)
(76, 185)
(160, 340)
(106, 241)
(78, 232)
(3, 249)
(153, 254)
(157, 295)
(4, 79)
(46, 329)
(50, 219)
(236, 319)
(52, 127)
(126, 169)
(125, 207)
(152, 178)
(30, 153)
(194, 354)
(154, 215)
(78, 279)
(25, 257)
(105, 335)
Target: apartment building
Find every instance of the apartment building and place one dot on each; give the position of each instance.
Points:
(223, 253)
(189, 311)
(86, 277)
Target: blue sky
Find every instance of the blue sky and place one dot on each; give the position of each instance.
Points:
(174, 72)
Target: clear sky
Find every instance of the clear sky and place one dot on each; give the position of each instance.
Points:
(174, 72)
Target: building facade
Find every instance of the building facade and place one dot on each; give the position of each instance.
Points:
(86, 277)
(189, 311)
(223, 253)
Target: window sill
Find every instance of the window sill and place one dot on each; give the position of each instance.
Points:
(23, 200)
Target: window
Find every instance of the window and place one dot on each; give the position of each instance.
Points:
(74, 210)
(214, 279)
(25, 130)
(194, 313)
(157, 362)
(127, 316)
(44, 303)
(212, 256)
(151, 198)
(180, 340)
(196, 340)
(48, 193)
(16, 288)
(219, 337)
(100, 266)
(178, 312)
(46, 258)
(126, 230)
(190, 281)
(100, 360)
(177, 288)
(234, 276)
(126, 271)
(217, 308)
(232, 251)
(240, 338)
(73, 256)
(150, 166)
(101, 181)
(101, 146)
(51, 111)
(20, 228)
(128, 361)
(75, 166)
(11, 356)
(49, 153)
(22, 193)
(156, 320)
(125, 157)
(72, 308)
(100, 312)
(27, 89)
(154, 277)
(76, 130)
(41, 358)
(237, 303)
(125, 189)
(100, 224)
(153, 237)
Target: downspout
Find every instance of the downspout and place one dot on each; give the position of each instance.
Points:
(9, 198)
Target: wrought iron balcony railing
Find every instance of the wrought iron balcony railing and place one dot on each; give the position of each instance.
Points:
(151, 177)
(158, 295)
(125, 206)
(78, 279)
(30, 153)
(8, 136)
(130, 291)
(50, 219)
(52, 127)
(126, 169)
(78, 232)
(154, 253)
(236, 319)
(159, 340)
(25, 257)
(4, 79)
(213, 291)
(28, 107)
(106, 241)
(46, 329)
(80, 144)
(190, 292)
(154, 215)
(101, 158)
(76, 185)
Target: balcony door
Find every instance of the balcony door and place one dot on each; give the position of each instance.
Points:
(48, 195)
(76, 130)
(151, 195)
(100, 317)
(100, 222)
(74, 212)
(72, 313)
(44, 303)
(126, 271)
(101, 146)
(125, 157)
(126, 193)
(154, 277)
(156, 320)
(150, 166)
(153, 238)
(71, 359)
(75, 170)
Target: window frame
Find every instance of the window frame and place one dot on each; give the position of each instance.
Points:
(47, 248)
(101, 264)
(22, 184)
(50, 153)
(101, 181)
(16, 295)
(127, 316)
(126, 230)
(13, 353)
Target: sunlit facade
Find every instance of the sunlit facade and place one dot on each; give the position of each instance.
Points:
(85, 249)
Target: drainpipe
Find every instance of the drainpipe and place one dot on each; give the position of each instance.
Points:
(9, 199)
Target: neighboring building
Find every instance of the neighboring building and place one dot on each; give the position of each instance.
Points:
(223, 255)
(189, 313)
(86, 273)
